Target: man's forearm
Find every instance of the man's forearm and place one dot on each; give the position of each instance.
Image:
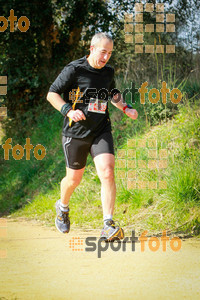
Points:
(58, 103)
(66, 110)
(118, 101)
(56, 100)
(120, 104)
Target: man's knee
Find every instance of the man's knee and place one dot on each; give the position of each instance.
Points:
(107, 173)
(73, 179)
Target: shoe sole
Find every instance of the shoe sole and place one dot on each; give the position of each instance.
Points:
(118, 235)
(56, 206)
(59, 229)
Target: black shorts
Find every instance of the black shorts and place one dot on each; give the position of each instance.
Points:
(77, 150)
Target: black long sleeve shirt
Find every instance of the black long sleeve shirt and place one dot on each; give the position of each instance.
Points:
(93, 84)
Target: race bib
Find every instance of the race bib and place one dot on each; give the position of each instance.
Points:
(97, 106)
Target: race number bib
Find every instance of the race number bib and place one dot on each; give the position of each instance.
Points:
(97, 106)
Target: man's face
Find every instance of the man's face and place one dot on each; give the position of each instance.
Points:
(101, 53)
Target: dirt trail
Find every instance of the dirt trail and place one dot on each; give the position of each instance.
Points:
(41, 265)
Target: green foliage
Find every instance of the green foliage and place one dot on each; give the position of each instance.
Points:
(192, 89)
(185, 182)
(60, 31)
(31, 188)
(25, 176)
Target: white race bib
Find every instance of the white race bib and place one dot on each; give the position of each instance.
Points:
(97, 106)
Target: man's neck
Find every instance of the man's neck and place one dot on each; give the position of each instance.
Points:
(90, 61)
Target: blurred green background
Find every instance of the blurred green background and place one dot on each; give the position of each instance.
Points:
(60, 31)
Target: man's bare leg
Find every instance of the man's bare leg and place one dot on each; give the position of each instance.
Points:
(69, 183)
(105, 164)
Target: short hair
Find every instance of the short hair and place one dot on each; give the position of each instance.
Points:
(99, 36)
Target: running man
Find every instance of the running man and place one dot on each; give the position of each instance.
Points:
(87, 128)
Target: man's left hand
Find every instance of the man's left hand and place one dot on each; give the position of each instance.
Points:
(131, 113)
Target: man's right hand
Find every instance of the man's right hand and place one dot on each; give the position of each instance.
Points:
(76, 115)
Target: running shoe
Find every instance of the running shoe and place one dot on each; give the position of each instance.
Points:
(62, 220)
(111, 232)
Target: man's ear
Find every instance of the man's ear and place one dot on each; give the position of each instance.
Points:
(91, 49)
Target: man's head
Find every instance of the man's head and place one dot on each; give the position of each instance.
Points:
(100, 49)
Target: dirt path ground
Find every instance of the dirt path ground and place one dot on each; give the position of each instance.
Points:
(40, 264)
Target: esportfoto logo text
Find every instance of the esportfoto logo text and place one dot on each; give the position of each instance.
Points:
(152, 243)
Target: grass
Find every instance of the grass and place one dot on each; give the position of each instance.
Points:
(30, 188)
